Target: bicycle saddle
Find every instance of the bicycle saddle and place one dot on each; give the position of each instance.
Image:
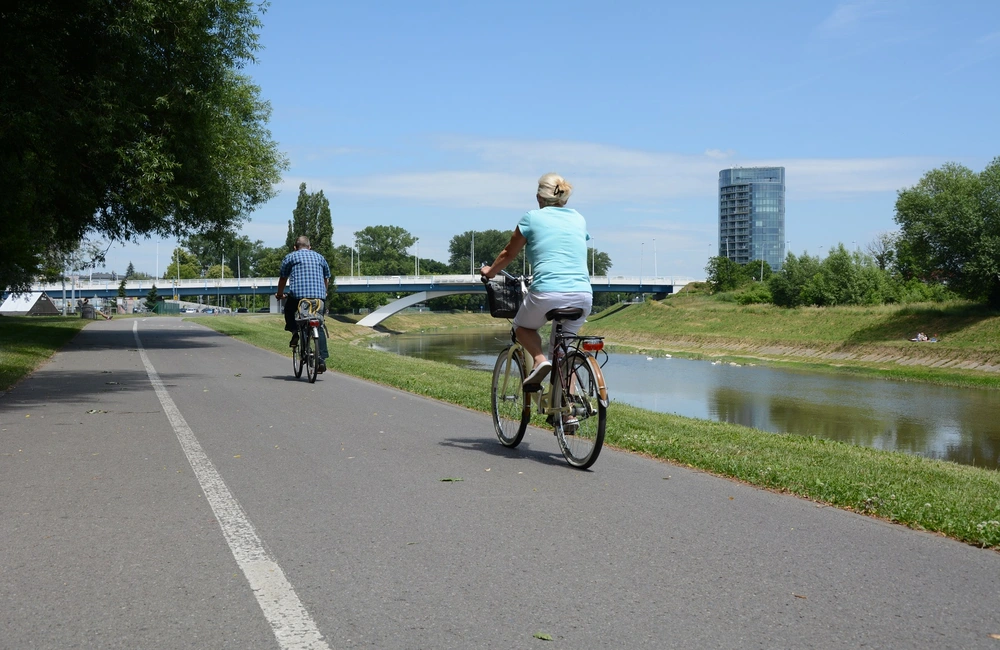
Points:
(564, 313)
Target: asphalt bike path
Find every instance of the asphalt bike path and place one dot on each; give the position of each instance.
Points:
(170, 487)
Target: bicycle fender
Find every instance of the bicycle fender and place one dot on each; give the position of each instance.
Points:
(602, 387)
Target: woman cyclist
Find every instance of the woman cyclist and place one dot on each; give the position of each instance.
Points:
(556, 239)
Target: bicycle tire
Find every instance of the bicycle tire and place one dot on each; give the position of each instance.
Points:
(312, 354)
(511, 411)
(297, 358)
(587, 396)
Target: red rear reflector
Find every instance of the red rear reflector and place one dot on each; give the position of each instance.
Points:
(314, 323)
(593, 346)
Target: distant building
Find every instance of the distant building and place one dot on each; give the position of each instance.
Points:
(752, 215)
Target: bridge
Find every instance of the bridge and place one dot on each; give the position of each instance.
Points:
(422, 288)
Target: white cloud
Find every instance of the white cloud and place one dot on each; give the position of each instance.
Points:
(500, 173)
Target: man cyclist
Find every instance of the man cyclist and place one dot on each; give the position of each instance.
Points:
(307, 275)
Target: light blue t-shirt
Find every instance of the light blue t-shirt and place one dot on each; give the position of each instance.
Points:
(556, 249)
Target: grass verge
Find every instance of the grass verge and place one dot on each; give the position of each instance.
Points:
(955, 500)
(26, 342)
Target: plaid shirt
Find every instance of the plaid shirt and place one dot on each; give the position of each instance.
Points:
(306, 271)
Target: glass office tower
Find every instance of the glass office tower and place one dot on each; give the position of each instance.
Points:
(752, 215)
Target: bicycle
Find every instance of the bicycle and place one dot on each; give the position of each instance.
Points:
(305, 353)
(576, 400)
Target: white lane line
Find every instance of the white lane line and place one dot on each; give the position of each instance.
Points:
(291, 623)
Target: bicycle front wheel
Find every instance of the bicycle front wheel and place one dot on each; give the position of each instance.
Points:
(311, 346)
(297, 358)
(511, 412)
(581, 432)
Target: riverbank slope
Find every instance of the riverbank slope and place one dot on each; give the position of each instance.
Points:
(871, 340)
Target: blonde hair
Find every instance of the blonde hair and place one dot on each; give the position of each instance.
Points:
(554, 190)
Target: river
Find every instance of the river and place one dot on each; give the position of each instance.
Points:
(947, 423)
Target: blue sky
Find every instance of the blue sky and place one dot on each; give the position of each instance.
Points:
(440, 116)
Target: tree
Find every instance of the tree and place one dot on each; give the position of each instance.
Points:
(795, 283)
(130, 271)
(188, 263)
(269, 263)
(950, 230)
(383, 250)
(311, 217)
(217, 271)
(127, 119)
(842, 278)
(599, 262)
(211, 248)
(488, 244)
(151, 299)
(883, 249)
(723, 274)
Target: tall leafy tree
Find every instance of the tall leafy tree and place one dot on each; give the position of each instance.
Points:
(311, 217)
(127, 119)
(487, 244)
(883, 249)
(184, 265)
(383, 250)
(723, 274)
(269, 262)
(950, 230)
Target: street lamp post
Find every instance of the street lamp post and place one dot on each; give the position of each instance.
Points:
(642, 248)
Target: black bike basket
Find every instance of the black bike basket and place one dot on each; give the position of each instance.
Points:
(504, 296)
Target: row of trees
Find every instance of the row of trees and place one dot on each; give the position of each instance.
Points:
(948, 245)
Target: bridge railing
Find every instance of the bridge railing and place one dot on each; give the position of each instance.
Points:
(377, 282)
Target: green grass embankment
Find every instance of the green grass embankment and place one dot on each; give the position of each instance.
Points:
(955, 500)
(869, 340)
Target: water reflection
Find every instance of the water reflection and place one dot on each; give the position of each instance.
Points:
(955, 424)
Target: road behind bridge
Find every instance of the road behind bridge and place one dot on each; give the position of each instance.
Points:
(175, 488)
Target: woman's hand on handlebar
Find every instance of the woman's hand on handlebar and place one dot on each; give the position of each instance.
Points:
(487, 272)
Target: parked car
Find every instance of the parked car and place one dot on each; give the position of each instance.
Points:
(242, 310)
(264, 310)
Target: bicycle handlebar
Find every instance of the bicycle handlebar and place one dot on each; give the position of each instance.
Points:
(501, 272)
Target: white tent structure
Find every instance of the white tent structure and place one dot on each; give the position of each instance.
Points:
(33, 303)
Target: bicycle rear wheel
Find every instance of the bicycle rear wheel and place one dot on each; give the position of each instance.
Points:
(311, 346)
(581, 442)
(511, 412)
